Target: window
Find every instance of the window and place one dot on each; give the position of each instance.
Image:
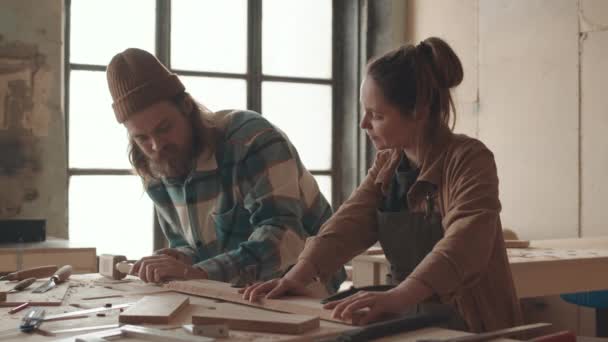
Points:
(229, 58)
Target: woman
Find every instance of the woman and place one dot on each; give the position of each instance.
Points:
(430, 198)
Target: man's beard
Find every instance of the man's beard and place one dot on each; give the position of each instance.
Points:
(172, 162)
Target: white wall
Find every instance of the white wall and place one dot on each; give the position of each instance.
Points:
(533, 92)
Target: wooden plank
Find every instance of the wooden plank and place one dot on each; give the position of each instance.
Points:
(83, 260)
(52, 251)
(260, 321)
(130, 286)
(53, 297)
(546, 268)
(218, 290)
(154, 309)
(555, 277)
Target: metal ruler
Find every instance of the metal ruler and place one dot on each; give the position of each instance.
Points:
(83, 313)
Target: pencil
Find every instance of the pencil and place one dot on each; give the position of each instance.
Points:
(19, 308)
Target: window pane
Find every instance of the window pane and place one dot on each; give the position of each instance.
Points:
(101, 29)
(309, 126)
(209, 35)
(325, 186)
(217, 93)
(296, 38)
(97, 140)
(112, 213)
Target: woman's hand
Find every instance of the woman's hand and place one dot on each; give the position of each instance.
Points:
(364, 307)
(158, 268)
(274, 288)
(294, 283)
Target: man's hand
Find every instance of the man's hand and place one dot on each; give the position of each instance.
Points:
(175, 253)
(158, 268)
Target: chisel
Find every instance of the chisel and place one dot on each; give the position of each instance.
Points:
(22, 285)
(35, 272)
(60, 276)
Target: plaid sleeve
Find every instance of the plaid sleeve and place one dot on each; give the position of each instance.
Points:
(270, 183)
(175, 240)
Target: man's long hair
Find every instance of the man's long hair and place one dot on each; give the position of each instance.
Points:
(204, 135)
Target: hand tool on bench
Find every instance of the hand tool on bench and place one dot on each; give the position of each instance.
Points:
(492, 334)
(115, 267)
(32, 320)
(60, 276)
(124, 267)
(35, 272)
(388, 328)
(22, 285)
(84, 313)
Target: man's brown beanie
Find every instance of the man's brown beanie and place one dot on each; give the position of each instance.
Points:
(138, 80)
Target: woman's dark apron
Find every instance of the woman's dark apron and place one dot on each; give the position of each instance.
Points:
(407, 237)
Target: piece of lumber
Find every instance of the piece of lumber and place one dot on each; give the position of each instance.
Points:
(218, 290)
(154, 309)
(270, 322)
(53, 297)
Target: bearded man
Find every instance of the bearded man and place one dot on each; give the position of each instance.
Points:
(229, 189)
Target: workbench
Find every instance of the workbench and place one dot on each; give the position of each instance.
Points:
(93, 285)
(547, 267)
(53, 251)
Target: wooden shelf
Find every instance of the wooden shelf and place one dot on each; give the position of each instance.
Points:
(53, 251)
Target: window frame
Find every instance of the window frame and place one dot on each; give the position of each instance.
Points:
(350, 156)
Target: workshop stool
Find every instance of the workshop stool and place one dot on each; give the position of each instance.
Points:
(597, 300)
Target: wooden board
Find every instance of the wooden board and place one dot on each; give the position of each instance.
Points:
(154, 309)
(218, 290)
(545, 268)
(52, 297)
(271, 322)
(107, 289)
(53, 251)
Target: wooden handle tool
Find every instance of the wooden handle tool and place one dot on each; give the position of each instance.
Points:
(62, 274)
(35, 272)
(22, 285)
(59, 277)
(124, 267)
